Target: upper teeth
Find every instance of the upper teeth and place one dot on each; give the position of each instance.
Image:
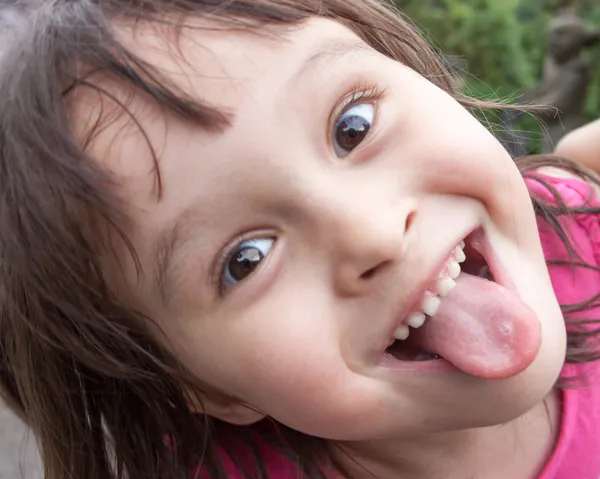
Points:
(432, 298)
(416, 320)
(444, 285)
(431, 304)
(401, 333)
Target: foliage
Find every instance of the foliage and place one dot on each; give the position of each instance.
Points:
(477, 30)
(502, 41)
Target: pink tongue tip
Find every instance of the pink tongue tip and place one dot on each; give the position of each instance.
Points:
(483, 329)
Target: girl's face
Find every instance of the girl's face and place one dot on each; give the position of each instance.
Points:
(288, 247)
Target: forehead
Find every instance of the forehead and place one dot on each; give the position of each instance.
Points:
(221, 65)
(225, 69)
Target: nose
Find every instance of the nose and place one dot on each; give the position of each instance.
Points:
(368, 245)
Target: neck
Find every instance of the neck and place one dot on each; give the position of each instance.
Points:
(516, 449)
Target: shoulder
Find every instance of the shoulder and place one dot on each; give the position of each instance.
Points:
(582, 145)
(243, 451)
(576, 452)
(579, 232)
(567, 181)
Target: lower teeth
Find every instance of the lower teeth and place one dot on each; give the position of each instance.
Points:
(406, 351)
(426, 357)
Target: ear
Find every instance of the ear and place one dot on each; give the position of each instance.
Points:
(227, 409)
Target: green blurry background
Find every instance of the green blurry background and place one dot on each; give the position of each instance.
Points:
(503, 42)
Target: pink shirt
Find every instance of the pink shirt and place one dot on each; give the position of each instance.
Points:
(577, 453)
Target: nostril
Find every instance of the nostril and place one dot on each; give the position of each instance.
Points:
(409, 220)
(370, 273)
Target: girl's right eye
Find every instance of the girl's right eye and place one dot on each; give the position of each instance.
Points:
(352, 128)
(244, 259)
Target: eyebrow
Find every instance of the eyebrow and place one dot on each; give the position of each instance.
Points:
(174, 238)
(171, 241)
(331, 50)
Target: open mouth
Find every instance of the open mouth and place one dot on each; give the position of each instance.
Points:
(408, 351)
(475, 263)
(466, 259)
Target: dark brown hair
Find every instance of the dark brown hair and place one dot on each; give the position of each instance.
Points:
(76, 363)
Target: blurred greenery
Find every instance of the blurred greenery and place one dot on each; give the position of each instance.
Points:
(503, 42)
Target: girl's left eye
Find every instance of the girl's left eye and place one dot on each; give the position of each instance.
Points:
(244, 260)
(352, 127)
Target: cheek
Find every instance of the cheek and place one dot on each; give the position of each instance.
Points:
(453, 153)
(284, 358)
(293, 363)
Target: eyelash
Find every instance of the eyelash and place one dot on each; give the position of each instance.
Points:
(217, 272)
(358, 95)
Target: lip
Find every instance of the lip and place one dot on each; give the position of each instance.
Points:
(440, 365)
(418, 292)
(480, 244)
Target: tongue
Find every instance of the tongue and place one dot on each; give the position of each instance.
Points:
(483, 329)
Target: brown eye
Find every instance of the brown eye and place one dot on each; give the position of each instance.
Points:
(244, 260)
(351, 128)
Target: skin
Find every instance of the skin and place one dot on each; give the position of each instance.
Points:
(300, 338)
(582, 146)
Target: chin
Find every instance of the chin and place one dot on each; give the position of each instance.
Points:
(493, 402)
(520, 394)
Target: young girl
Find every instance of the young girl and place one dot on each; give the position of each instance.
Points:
(265, 238)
